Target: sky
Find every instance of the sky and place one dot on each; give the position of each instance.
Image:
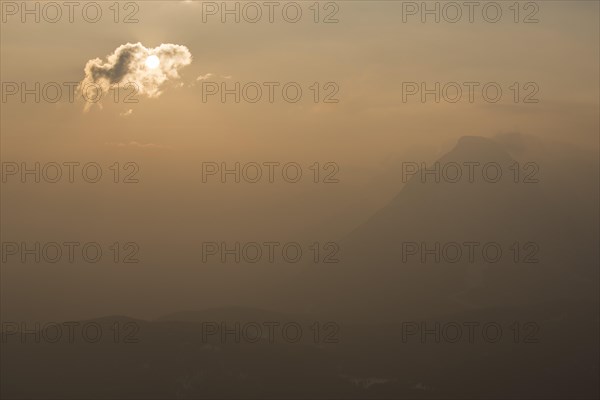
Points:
(363, 123)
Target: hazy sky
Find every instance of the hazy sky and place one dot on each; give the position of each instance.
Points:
(367, 55)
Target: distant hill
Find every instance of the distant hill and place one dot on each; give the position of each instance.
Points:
(232, 314)
(545, 235)
(172, 360)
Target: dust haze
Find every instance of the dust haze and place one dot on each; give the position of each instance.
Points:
(345, 199)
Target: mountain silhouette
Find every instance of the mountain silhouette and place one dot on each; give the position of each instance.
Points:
(391, 268)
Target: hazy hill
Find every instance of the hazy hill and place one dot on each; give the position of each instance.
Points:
(534, 214)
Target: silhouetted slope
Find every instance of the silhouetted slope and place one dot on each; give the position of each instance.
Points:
(525, 214)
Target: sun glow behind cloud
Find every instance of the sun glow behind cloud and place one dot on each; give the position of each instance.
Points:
(147, 69)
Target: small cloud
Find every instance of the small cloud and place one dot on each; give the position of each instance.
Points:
(126, 113)
(133, 143)
(203, 77)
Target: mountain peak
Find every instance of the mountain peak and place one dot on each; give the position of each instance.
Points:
(478, 148)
